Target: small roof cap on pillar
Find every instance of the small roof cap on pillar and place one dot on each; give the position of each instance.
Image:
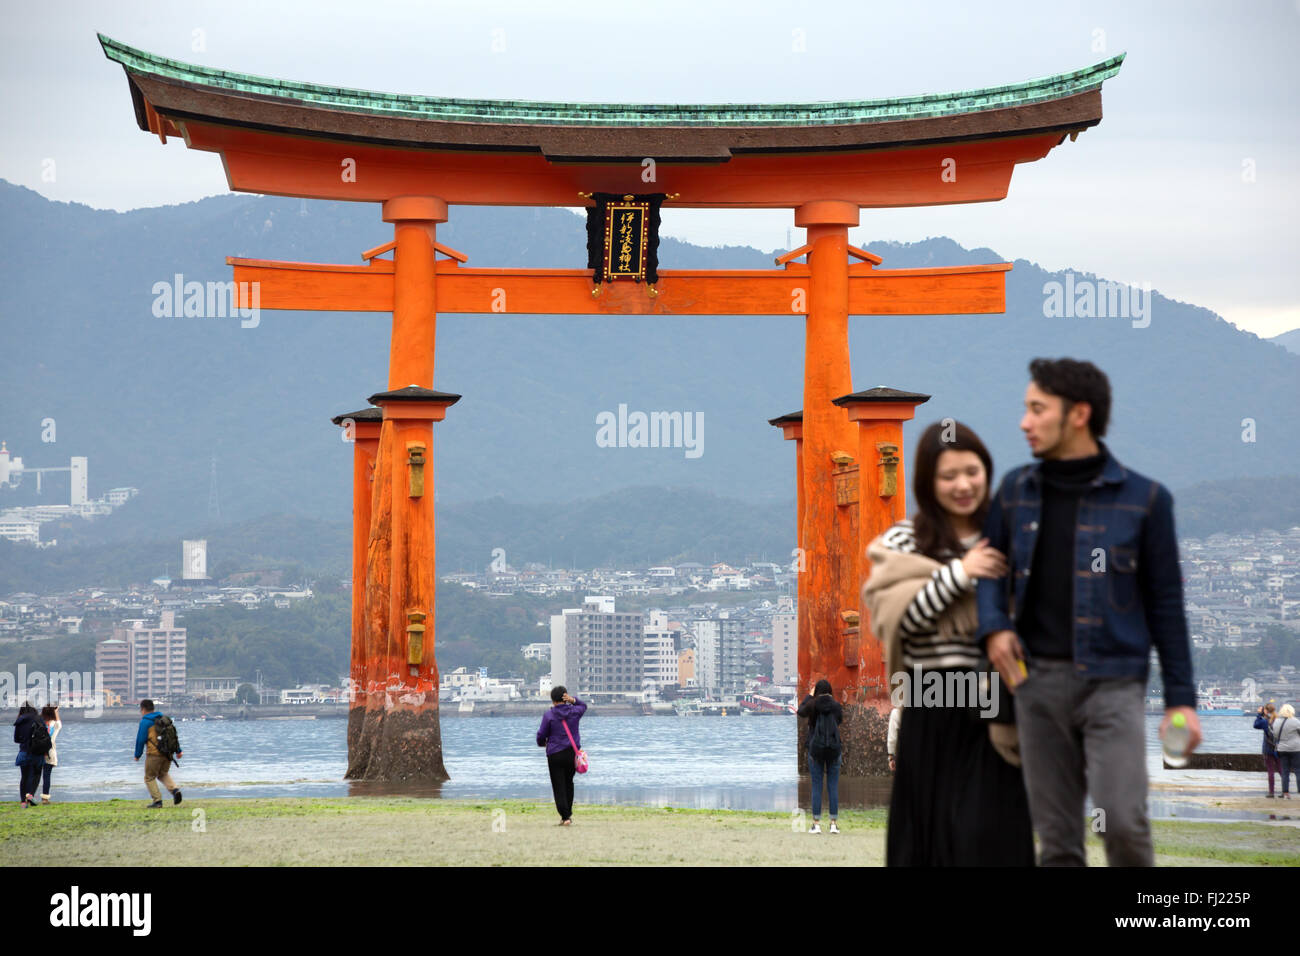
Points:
(370, 414)
(881, 393)
(414, 393)
(786, 419)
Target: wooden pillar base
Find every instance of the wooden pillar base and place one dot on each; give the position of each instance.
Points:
(402, 743)
(864, 734)
(358, 756)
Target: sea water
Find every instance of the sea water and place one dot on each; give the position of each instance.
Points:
(743, 763)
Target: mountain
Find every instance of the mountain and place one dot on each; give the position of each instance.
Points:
(151, 401)
(1288, 340)
(633, 527)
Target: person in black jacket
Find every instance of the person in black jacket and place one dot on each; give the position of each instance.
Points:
(30, 763)
(824, 715)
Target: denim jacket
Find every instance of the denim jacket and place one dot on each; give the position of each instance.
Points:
(1128, 586)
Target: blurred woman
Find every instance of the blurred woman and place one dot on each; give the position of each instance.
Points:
(958, 797)
(559, 735)
(50, 714)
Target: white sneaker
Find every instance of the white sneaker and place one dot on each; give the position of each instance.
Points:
(816, 828)
(834, 828)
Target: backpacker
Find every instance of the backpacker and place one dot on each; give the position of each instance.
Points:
(168, 744)
(826, 735)
(39, 743)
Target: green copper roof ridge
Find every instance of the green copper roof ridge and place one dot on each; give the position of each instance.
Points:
(530, 112)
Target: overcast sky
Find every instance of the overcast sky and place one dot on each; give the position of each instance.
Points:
(1158, 193)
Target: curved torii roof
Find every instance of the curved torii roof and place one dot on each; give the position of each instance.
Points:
(237, 114)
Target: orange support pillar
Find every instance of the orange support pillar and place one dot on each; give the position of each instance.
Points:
(400, 736)
(829, 583)
(415, 305)
(362, 429)
(879, 414)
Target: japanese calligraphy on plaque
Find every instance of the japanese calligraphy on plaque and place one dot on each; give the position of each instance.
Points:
(623, 237)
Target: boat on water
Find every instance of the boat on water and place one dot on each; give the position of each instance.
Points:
(1210, 702)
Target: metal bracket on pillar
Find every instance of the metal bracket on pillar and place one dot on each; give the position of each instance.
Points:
(851, 639)
(888, 465)
(415, 637)
(845, 477)
(415, 461)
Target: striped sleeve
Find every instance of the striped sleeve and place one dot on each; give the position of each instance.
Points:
(945, 586)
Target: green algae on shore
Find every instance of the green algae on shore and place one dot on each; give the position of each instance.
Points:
(397, 831)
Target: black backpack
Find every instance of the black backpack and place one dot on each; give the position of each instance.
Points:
(826, 735)
(39, 742)
(168, 744)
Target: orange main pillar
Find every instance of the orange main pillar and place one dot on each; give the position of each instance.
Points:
(400, 736)
(879, 414)
(362, 429)
(829, 584)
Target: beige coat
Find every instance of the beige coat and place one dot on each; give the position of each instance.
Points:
(896, 578)
(52, 758)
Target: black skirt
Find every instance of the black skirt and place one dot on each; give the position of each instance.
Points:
(955, 801)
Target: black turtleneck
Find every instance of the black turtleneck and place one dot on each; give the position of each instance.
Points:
(1046, 624)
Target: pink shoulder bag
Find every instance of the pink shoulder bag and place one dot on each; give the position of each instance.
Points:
(579, 756)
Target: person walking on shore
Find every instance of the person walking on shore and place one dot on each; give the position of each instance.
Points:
(33, 742)
(50, 714)
(559, 735)
(958, 797)
(156, 740)
(1093, 583)
(1286, 735)
(1264, 721)
(824, 715)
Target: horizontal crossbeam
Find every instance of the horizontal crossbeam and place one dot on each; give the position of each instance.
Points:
(306, 286)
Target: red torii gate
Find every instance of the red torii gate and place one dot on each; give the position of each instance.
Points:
(418, 155)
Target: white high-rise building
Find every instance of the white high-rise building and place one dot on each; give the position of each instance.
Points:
(597, 650)
(145, 661)
(80, 481)
(719, 656)
(785, 642)
(660, 651)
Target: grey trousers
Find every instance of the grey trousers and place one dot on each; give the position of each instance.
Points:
(1081, 737)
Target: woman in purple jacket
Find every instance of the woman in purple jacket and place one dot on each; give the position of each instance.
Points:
(566, 710)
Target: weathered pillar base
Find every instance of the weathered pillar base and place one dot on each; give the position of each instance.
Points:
(358, 755)
(398, 744)
(864, 734)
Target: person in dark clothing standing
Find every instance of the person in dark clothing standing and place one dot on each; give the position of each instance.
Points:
(1093, 582)
(1264, 721)
(824, 715)
(27, 761)
(558, 725)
